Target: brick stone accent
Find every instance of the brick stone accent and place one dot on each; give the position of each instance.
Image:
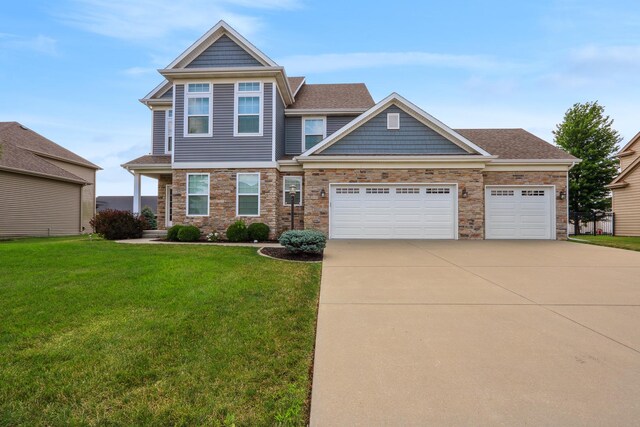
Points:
(559, 179)
(284, 211)
(222, 199)
(163, 181)
(470, 209)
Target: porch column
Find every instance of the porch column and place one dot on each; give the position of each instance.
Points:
(137, 198)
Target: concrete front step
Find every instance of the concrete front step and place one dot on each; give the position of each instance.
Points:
(154, 233)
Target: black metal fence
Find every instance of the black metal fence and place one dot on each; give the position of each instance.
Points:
(592, 223)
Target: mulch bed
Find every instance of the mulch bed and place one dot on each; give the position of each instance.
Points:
(282, 253)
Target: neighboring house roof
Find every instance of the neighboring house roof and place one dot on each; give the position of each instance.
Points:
(23, 137)
(124, 203)
(625, 150)
(407, 107)
(514, 144)
(354, 96)
(619, 181)
(150, 159)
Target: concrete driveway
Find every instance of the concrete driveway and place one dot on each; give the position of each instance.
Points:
(477, 333)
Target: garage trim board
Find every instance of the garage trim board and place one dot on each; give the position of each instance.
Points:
(520, 212)
(399, 210)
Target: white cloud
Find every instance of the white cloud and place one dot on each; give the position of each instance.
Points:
(330, 62)
(142, 20)
(138, 71)
(608, 56)
(39, 43)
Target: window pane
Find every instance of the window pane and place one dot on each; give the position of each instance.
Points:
(170, 113)
(248, 183)
(248, 205)
(287, 198)
(198, 184)
(314, 127)
(197, 205)
(198, 106)
(311, 140)
(249, 87)
(198, 125)
(198, 87)
(289, 181)
(249, 105)
(170, 143)
(248, 124)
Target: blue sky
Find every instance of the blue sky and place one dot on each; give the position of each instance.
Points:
(73, 70)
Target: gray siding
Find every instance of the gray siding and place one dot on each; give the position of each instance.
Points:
(224, 53)
(413, 137)
(280, 127)
(223, 146)
(158, 131)
(42, 207)
(168, 94)
(293, 136)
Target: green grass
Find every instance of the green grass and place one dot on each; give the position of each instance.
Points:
(100, 333)
(631, 243)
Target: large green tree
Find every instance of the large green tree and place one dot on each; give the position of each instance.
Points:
(587, 133)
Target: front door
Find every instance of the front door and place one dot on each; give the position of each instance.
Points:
(169, 206)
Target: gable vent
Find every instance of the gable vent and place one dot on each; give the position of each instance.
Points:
(393, 120)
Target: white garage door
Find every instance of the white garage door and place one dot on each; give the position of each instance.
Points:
(398, 211)
(519, 212)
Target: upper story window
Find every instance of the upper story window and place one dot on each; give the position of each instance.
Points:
(314, 130)
(248, 109)
(168, 131)
(198, 109)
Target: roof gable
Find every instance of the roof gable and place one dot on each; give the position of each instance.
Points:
(209, 39)
(626, 172)
(411, 110)
(413, 137)
(631, 144)
(224, 52)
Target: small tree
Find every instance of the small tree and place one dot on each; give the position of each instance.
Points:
(148, 214)
(587, 133)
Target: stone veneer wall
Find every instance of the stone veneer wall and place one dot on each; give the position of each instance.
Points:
(222, 199)
(284, 211)
(470, 210)
(559, 179)
(163, 181)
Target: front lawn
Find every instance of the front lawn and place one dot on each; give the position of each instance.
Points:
(95, 332)
(631, 243)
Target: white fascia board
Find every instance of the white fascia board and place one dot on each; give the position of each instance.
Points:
(214, 34)
(160, 89)
(323, 111)
(537, 161)
(409, 108)
(395, 159)
(223, 165)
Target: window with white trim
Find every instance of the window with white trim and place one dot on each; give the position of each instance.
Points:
(288, 182)
(197, 100)
(248, 194)
(248, 109)
(314, 130)
(168, 131)
(197, 194)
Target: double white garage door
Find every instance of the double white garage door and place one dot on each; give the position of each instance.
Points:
(429, 211)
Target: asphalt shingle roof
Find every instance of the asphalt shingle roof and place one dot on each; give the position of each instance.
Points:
(333, 96)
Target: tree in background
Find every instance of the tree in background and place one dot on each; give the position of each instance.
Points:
(586, 133)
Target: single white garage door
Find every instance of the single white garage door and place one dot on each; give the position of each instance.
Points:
(519, 212)
(393, 211)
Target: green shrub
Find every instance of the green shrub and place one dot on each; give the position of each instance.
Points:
(113, 224)
(148, 214)
(303, 241)
(237, 232)
(258, 231)
(188, 233)
(172, 233)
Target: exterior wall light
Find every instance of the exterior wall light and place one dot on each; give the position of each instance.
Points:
(465, 194)
(322, 193)
(562, 195)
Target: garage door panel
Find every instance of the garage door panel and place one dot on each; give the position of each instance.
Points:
(518, 213)
(393, 211)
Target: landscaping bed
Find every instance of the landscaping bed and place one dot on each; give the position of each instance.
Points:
(282, 253)
(95, 332)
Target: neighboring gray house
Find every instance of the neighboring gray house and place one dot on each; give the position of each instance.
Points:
(125, 203)
(45, 189)
(233, 134)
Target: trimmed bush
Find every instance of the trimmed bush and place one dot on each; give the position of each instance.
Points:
(188, 233)
(113, 224)
(303, 241)
(237, 232)
(258, 231)
(150, 217)
(172, 233)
